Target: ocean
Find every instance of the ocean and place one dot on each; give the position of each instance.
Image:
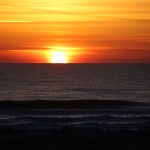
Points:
(22, 82)
(74, 106)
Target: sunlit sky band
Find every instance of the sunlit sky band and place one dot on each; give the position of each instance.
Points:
(91, 31)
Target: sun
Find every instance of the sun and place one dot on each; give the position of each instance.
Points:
(59, 57)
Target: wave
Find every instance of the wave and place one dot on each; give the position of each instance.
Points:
(103, 115)
(109, 125)
(77, 116)
(87, 103)
(100, 121)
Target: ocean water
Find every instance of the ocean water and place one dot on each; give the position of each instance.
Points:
(20, 82)
(29, 82)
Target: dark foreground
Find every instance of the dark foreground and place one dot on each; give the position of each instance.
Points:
(74, 139)
(86, 126)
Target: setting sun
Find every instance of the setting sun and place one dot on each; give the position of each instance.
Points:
(59, 57)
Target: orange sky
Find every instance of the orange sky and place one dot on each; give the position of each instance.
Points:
(97, 31)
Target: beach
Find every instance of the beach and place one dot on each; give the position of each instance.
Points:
(75, 74)
(74, 106)
(85, 125)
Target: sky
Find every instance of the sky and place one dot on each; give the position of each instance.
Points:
(86, 31)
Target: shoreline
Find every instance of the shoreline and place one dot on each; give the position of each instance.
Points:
(34, 129)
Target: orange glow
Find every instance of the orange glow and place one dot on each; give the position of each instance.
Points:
(82, 31)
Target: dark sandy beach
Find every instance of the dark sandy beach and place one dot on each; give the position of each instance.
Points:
(67, 138)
